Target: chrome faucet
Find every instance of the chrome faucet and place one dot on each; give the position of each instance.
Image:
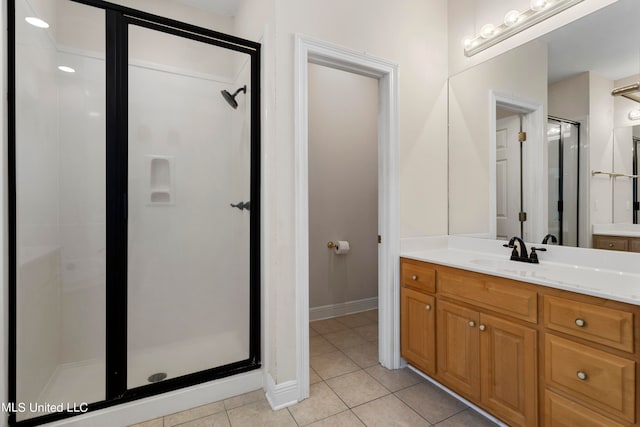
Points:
(553, 238)
(520, 253)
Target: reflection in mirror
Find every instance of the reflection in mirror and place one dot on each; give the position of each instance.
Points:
(563, 138)
(570, 74)
(636, 191)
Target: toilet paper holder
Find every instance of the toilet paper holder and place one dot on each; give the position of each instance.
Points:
(331, 245)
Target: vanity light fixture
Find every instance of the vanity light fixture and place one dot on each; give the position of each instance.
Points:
(631, 91)
(634, 115)
(514, 22)
(36, 22)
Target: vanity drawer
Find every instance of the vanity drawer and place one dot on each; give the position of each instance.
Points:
(595, 377)
(635, 244)
(418, 275)
(611, 243)
(494, 293)
(561, 412)
(602, 325)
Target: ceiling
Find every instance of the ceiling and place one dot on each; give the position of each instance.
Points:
(606, 42)
(222, 7)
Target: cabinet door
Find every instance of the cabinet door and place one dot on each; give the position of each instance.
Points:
(418, 329)
(458, 352)
(509, 370)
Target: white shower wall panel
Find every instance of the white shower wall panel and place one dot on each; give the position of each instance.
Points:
(188, 261)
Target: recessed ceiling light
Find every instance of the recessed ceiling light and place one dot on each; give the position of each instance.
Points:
(66, 69)
(36, 22)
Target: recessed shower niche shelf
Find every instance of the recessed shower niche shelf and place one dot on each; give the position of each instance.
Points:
(160, 173)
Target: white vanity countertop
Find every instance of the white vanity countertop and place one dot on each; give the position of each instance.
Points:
(605, 274)
(626, 230)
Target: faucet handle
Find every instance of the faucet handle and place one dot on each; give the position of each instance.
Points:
(539, 249)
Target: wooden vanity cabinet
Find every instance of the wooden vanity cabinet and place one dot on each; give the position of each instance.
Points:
(489, 360)
(616, 243)
(418, 316)
(530, 355)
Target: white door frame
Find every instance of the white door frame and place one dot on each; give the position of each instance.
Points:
(386, 72)
(534, 163)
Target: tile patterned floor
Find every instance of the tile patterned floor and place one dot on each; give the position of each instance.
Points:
(348, 388)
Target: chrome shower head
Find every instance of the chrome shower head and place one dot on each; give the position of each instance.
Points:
(231, 99)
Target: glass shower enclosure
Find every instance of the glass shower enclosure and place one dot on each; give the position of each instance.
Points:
(134, 172)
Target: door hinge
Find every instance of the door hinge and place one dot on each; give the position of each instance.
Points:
(379, 238)
(522, 136)
(522, 216)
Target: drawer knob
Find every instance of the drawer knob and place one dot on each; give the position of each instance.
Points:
(582, 376)
(580, 322)
(414, 277)
(611, 245)
(428, 307)
(482, 327)
(472, 323)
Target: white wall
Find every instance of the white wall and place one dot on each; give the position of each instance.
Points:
(343, 185)
(601, 148)
(520, 73)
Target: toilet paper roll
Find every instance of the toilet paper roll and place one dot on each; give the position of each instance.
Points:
(342, 247)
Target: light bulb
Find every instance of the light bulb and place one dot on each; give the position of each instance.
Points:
(511, 18)
(538, 5)
(634, 115)
(36, 22)
(66, 69)
(468, 41)
(487, 30)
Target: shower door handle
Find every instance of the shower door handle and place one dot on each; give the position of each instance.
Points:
(242, 205)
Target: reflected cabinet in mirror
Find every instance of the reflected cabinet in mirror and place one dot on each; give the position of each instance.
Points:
(543, 142)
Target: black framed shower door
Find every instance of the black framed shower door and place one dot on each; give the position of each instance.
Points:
(121, 24)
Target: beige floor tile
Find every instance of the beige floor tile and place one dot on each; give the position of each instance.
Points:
(260, 414)
(429, 401)
(388, 411)
(345, 339)
(369, 332)
(314, 377)
(243, 399)
(312, 332)
(343, 419)
(467, 418)
(322, 403)
(193, 414)
(355, 320)
(319, 345)
(218, 420)
(365, 355)
(357, 388)
(332, 365)
(395, 379)
(158, 422)
(372, 314)
(327, 326)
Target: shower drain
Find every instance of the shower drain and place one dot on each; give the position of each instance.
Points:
(158, 376)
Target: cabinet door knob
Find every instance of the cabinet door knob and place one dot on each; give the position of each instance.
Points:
(611, 245)
(428, 307)
(482, 327)
(414, 277)
(582, 375)
(472, 323)
(580, 322)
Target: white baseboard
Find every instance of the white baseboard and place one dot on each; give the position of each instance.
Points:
(342, 309)
(281, 395)
(168, 403)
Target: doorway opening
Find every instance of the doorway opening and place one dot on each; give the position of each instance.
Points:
(343, 218)
(311, 51)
